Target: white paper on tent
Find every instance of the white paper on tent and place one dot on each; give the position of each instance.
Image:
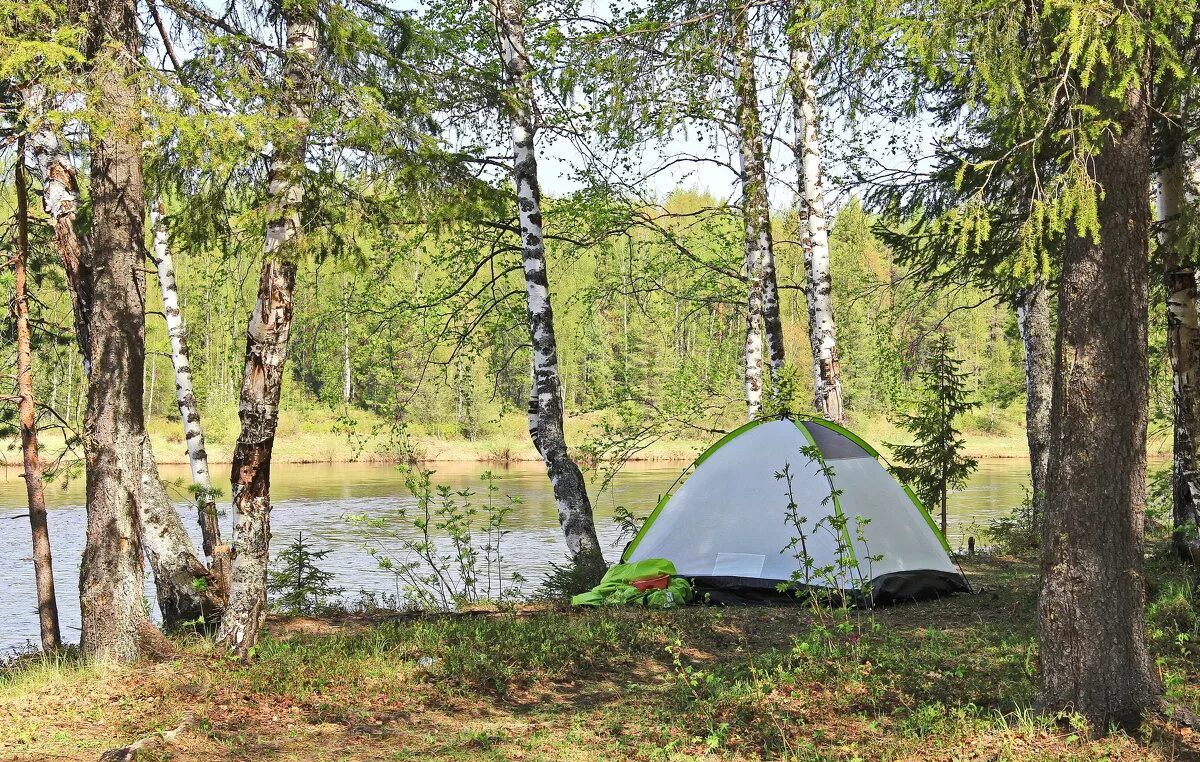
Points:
(738, 565)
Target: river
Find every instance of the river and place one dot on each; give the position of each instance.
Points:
(317, 498)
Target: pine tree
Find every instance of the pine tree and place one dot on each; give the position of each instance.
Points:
(935, 465)
(300, 586)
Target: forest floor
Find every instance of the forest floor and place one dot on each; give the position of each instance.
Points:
(948, 679)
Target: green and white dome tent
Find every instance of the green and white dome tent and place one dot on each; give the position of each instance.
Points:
(729, 525)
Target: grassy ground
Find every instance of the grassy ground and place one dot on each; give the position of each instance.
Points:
(950, 679)
(313, 434)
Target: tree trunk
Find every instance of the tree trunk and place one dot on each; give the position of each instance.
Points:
(189, 410)
(347, 386)
(1177, 182)
(43, 567)
(818, 281)
(1091, 616)
(60, 200)
(110, 580)
(545, 405)
(1033, 320)
(762, 302)
(266, 351)
(176, 568)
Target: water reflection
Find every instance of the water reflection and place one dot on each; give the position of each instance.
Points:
(318, 497)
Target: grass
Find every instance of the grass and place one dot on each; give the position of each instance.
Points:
(949, 679)
(312, 433)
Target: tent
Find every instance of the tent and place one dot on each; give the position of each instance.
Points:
(853, 528)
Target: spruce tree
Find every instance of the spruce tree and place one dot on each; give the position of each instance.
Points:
(935, 464)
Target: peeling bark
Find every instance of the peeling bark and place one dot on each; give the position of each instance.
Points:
(60, 201)
(43, 566)
(1033, 320)
(1091, 609)
(115, 626)
(545, 404)
(1177, 184)
(818, 280)
(266, 351)
(763, 323)
(185, 397)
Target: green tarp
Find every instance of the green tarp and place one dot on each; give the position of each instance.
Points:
(615, 588)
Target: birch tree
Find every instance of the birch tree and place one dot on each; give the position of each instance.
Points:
(185, 396)
(1037, 338)
(814, 233)
(545, 403)
(763, 327)
(43, 565)
(60, 201)
(1178, 182)
(267, 342)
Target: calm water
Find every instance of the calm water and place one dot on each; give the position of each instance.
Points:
(316, 498)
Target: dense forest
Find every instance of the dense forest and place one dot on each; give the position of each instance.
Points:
(644, 337)
(611, 228)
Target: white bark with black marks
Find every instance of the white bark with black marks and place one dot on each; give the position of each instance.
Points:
(266, 351)
(1037, 338)
(60, 201)
(764, 327)
(1178, 183)
(185, 396)
(545, 405)
(176, 567)
(818, 281)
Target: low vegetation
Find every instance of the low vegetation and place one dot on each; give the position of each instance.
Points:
(948, 679)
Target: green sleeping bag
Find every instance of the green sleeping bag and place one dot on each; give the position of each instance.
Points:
(616, 588)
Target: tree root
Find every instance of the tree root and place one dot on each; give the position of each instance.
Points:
(156, 741)
(1178, 715)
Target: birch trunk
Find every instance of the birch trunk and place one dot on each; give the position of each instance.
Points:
(347, 386)
(185, 397)
(818, 281)
(1176, 185)
(60, 201)
(763, 325)
(266, 350)
(115, 626)
(545, 405)
(175, 565)
(1091, 609)
(1033, 320)
(43, 566)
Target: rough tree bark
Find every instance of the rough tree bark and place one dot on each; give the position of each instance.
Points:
(185, 397)
(115, 626)
(818, 281)
(60, 200)
(1091, 616)
(266, 348)
(1177, 183)
(1033, 320)
(763, 323)
(545, 404)
(43, 566)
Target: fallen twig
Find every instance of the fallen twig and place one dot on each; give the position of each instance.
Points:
(158, 740)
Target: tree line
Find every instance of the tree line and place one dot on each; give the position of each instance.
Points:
(389, 161)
